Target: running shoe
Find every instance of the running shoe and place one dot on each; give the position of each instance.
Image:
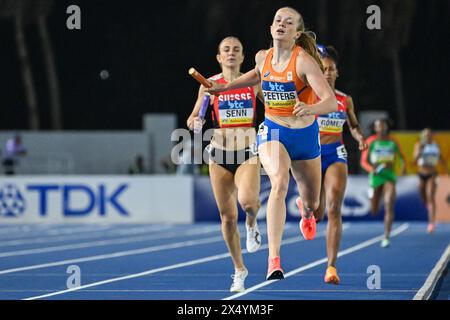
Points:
(253, 242)
(331, 276)
(275, 272)
(307, 226)
(238, 280)
(385, 243)
(430, 228)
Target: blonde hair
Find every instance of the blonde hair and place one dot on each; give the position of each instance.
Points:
(307, 39)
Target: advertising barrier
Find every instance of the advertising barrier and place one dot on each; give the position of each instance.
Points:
(356, 205)
(96, 199)
(177, 199)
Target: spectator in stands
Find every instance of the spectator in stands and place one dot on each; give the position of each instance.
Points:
(13, 150)
(168, 165)
(138, 166)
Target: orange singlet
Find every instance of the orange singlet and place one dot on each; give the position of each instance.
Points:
(280, 89)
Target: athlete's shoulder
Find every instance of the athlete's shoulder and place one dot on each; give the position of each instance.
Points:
(216, 77)
(261, 55)
(371, 138)
(342, 94)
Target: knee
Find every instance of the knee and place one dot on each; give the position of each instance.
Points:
(249, 205)
(228, 217)
(280, 187)
(334, 209)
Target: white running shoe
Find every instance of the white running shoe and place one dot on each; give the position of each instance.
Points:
(238, 280)
(253, 242)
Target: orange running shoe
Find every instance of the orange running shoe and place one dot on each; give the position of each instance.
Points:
(275, 272)
(307, 226)
(430, 228)
(331, 276)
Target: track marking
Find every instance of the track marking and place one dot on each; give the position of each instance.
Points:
(311, 265)
(55, 238)
(428, 287)
(104, 243)
(170, 267)
(223, 290)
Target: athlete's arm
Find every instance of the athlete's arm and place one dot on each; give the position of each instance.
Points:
(354, 125)
(365, 155)
(194, 115)
(249, 79)
(308, 70)
(258, 93)
(417, 151)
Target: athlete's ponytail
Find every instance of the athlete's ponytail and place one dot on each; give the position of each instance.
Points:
(308, 42)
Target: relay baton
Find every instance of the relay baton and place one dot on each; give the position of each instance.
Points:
(204, 106)
(201, 79)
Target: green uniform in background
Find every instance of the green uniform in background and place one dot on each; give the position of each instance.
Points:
(382, 152)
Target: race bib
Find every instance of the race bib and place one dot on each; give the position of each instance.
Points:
(238, 112)
(341, 152)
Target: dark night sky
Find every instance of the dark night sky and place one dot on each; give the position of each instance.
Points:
(148, 48)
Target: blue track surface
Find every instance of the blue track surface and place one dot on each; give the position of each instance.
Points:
(178, 262)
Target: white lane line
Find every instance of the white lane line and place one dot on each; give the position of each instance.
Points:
(111, 233)
(170, 267)
(118, 254)
(56, 230)
(428, 287)
(311, 265)
(106, 242)
(22, 228)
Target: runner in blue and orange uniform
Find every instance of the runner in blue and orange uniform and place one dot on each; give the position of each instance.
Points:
(291, 78)
(334, 160)
(234, 167)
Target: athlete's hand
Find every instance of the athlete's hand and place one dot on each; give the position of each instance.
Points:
(302, 110)
(363, 145)
(192, 120)
(216, 88)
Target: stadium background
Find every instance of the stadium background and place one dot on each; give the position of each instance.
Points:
(147, 48)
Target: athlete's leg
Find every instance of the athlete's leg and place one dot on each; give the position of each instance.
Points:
(275, 160)
(335, 182)
(248, 183)
(375, 200)
(389, 202)
(430, 199)
(320, 212)
(225, 194)
(423, 190)
(308, 176)
(248, 180)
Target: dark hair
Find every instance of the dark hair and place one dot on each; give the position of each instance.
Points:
(389, 123)
(329, 52)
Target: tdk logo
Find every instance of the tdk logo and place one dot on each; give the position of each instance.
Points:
(73, 199)
(12, 203)
(98, 198)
